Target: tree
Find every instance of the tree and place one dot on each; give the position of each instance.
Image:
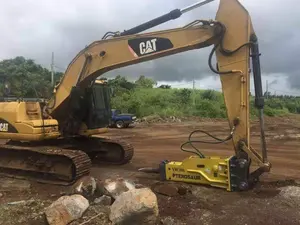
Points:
(184, 96)
(165, 86)
(121, 82)
(25, 78)
(144, 82)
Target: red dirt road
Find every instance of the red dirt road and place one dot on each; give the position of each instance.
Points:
(205, 205)
(155, 143)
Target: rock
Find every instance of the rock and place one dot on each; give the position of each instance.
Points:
(171, 221)
(290, 192)
(1, 195)
(151, 119)
(94, 215)
(10, 184)
(166, 189)
(103, 200)
(116, 187)
(278, 137)
(66, 209)
(167, 221)
(23, 202)
(287, 136)
(135, 207)
(139, 186)
(182, 190)
(293, 136)
(100, 189)
(85, 186)
(62, 193)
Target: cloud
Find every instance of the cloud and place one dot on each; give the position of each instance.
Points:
(36, 28)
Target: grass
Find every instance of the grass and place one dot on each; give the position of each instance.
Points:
(186, 102)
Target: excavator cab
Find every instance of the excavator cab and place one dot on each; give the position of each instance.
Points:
(99, 114)
(90, 107)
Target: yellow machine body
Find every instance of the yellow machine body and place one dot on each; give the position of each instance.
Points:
(213, 171)
(23, 121)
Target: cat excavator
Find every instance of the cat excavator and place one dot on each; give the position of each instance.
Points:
(57, 141)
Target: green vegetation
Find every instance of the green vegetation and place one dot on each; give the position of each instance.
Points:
(28, 79)
(25, 78)
(143, 99)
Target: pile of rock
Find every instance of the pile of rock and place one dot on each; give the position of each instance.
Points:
(158, 119)
(128, 203)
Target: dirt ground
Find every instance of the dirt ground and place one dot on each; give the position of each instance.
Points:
(265, 204)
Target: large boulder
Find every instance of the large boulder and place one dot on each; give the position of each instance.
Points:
(66, 209)
(135, 207)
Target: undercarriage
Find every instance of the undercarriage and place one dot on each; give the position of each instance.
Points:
(61, 161)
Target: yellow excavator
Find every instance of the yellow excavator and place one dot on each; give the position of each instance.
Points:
(55, 142)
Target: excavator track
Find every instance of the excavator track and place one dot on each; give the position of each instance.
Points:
(111, 151)
(61, 161)
(45, 164)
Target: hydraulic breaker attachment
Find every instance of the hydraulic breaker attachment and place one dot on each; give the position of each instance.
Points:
(227, 173)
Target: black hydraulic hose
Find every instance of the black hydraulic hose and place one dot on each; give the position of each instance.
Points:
(197, 151)
(222, 49)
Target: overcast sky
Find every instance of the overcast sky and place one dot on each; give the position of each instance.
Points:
(35, 28)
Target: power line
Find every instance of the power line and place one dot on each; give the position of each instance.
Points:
(181, 84)
(286, 92)
(52, 69)
(194, 94)
(267, 89)
(59, 68)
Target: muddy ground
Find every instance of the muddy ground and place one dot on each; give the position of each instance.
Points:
(272, 201)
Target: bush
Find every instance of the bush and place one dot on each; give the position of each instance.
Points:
(187, 102)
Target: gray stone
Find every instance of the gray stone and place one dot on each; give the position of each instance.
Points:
(66, 209)
(139, 186)
(103, 200)
(292, 192)
(135, 207)
(171, 221)
(116, 187)
(168, 221)
(85, 186)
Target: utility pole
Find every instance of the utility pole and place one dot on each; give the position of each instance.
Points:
(194, 94)
(267, 88)
(52, 69)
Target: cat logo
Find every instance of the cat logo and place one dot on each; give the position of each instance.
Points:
(3, 127)
(148, 46)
